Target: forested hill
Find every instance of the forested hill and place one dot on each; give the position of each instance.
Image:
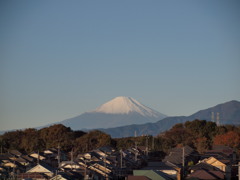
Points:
(200, 135)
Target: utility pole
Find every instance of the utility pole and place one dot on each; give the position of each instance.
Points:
(71, 158)
(121, 158)
(38, 157)
(58, 156)
(105, 173)
(238, 170)
(183, 160)
(147, 145)
(85, 169)
(152, 143)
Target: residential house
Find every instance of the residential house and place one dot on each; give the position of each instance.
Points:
(176, 156)
(206, 175)
(43, 168)
(32, 176)
(70, 165)
(165, 167)
(221, 164)
(203, 170)
(131, 177)
(37, 156)
(152, 174)
(70, 175)
(15, 153)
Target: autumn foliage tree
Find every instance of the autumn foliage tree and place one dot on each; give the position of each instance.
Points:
(231, 139)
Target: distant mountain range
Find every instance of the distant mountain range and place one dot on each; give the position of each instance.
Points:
(119, 111)
(227, 113)
(123, 116)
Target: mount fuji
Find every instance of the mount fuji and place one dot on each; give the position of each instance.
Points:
(119, 111)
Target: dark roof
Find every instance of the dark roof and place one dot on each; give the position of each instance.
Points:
(204, 174)
(6, 156)
(223, 149)
(187, 150)
(28, 158)
(15, 152)
(130, 177)
(50, 168)
(174, 158)
(175, 155)
(107, 149)
(159, 166)
(20, 160)
(212, 153)
(204, 166)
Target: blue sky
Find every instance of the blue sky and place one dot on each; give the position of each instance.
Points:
(59, 59)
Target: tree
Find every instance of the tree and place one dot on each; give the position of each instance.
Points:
(92, 140)
(56, 135)
(231, 139)
(202, 144)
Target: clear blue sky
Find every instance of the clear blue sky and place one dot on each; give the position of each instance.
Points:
(59, 59)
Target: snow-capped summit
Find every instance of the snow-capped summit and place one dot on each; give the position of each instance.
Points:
(125, 105)
(120, 111)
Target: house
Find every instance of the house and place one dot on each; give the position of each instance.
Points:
(22, 161)
(203, 165)
(222, 152)
(131, 177)
(43, 168)
(165, 167)
(206, 175)
(32, 176)
(69, 165)
(39, 156)
(176, 156)
(152, 174)
(107, 150)
(15, 153)
(221, 164)
(203, 170)
(70, 175)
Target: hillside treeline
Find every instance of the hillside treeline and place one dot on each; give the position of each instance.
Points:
(31, 140)
(199, 134)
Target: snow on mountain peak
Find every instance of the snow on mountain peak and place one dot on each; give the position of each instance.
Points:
(125, 105)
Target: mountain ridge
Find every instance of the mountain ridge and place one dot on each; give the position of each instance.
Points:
(229, 114)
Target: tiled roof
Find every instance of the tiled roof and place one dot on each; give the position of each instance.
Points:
(138, 178)
(204, 174)
(204, 166)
